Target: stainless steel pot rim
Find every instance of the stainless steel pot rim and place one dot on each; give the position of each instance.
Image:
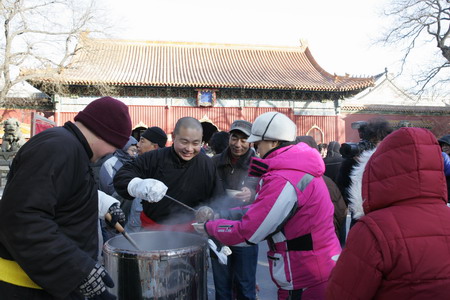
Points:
(132, 254)
(172, 252)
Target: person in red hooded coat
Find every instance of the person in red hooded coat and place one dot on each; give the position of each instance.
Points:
(400, 249)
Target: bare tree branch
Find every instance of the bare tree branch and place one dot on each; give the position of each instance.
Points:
(419, 22)
(40, 34)
(428, 77)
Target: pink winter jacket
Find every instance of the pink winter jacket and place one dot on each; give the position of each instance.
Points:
(293, 212)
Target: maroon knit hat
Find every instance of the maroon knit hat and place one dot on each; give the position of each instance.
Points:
(109, 119)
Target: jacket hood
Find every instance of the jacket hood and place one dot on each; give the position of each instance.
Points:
(131, 141)
(333, 149)
(292, 157)
(123, 156)
(355, 198)
(406, 166)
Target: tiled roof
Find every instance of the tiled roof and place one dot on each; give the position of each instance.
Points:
(177, 64)
(396, 108)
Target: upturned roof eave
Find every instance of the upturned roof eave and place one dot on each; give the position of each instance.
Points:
(126, 63)
(215, 85)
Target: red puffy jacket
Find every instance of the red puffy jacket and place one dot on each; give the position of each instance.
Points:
(401, 248)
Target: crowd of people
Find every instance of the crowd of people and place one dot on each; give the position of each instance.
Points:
(262, 183)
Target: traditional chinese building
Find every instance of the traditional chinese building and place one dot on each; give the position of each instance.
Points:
(215, 83)
(385, 99)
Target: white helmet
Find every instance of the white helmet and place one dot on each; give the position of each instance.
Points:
(273, 126)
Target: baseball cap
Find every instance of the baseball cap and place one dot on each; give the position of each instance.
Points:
(243, 126)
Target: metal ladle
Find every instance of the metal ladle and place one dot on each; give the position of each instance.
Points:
(202, 212)
(120, 229)
(181, 203)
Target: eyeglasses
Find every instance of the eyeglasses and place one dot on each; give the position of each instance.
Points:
(132, 151)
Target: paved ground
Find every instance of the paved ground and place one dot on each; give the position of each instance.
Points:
(268, 290)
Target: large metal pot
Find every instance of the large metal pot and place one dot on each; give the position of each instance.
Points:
(170, 265)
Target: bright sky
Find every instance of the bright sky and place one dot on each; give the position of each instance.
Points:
(340, 33)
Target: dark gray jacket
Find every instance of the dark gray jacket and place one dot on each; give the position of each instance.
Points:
(333, 161)
(234, 177)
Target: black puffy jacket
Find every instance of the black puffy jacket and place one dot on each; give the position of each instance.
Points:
(49, 211)
(191, 182)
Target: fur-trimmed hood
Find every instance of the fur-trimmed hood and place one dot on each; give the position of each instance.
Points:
(355, 189)
(406, 167)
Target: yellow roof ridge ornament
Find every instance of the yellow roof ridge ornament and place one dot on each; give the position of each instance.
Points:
(140, 124)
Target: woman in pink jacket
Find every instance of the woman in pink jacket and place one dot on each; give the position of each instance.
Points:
(292, 211)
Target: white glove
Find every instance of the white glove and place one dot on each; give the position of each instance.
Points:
(222, 255)
(104, 203)
(149, 189)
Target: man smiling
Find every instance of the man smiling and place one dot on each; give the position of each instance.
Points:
(187, 174)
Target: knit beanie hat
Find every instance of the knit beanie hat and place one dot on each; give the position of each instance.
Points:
(156, 135)
(109, 119)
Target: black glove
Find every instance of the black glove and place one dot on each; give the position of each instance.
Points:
(117, 215)
(94, 286)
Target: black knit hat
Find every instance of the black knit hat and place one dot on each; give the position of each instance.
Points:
(156, 135)
(109, 119)
(445, 139)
